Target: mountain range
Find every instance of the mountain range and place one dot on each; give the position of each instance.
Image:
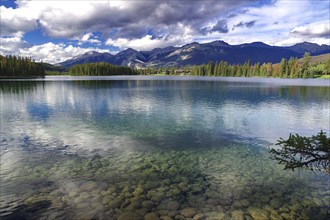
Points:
(198, 53)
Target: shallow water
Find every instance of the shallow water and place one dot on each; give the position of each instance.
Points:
(178, 147)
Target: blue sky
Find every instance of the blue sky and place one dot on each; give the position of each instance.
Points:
(53, 31)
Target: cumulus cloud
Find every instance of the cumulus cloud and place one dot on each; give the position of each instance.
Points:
(182, 35)
(12, 45)
(15, 21)
(131, 18)
(145, 43)
(56, 53)
(89, 38)
(48, 52)
(316, 29)
(277, 23)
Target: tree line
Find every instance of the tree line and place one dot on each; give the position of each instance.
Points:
(16, 67)
(20, 67)
(101, 69)
(292, 68)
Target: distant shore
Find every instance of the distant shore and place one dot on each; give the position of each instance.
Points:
(23, 77)
(152, 75)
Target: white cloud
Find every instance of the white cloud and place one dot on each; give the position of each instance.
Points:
(318, 29)
(280, 23)
(11, 45)
(48, 52)
(89, 38)
(14, 21)
(289, 41)
(182, 35)
(56, 53)
(70, 18)
(146, 43)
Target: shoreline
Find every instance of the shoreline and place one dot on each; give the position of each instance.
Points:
(262, 80)
(32, 77)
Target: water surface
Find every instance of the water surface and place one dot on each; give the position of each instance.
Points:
(179, 147)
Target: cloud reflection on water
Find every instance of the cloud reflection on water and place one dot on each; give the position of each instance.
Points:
(106, 114)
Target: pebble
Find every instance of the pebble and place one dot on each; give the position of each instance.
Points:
(215, 215)
(179, 217)
(199, 216)
(166, 218)
(173, 205)
(147, 204)
(188, 212)
(116, 203)
(258, 214)
(130, 216)
(151, 216)
(237, 215)
(275, 203)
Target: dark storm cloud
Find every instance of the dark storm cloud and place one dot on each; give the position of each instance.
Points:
(135, 18)
(325, 33)
(244, 24)
(221, 26)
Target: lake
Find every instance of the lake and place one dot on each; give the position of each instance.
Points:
(158, 147)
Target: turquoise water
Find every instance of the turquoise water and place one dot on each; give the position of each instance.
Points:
(158, 147)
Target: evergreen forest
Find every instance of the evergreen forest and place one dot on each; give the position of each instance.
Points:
(292, 68)
(20, 67)
(101, 69)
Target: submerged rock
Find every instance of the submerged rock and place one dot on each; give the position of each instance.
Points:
(138, 191)
(237, 215)
(276, 203)
(188, 212)
(133, 206)
(88, 186)
(179, 217)
(275, 216)
(258, 214)
(173, 205)
(166, 218)
(147, 204)
(151, 216)
(116, 203)
(215, 216)
(199, 216)
(130, 216)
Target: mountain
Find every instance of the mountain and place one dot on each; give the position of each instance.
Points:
(129, 57)
(55, 68)
(89, 57)
(312, 48)
(196, 54)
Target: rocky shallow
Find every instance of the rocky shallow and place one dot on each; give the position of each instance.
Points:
(233, 182)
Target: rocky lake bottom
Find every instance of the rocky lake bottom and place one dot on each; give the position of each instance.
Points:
(228, 182)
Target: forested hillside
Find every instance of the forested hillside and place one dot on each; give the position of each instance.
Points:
(20, 67)
(101, 69)
(307, 67)
(292, 68)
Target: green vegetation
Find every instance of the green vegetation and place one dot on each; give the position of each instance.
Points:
(304, 152)
(325, 77)
(292, 68)
(55, 70)
(19, 67)
(100, 69)
(307, 67)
